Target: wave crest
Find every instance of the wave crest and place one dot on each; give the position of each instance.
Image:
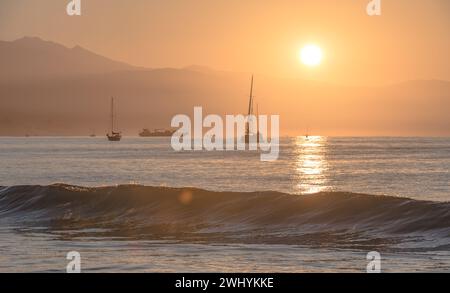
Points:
(189, 213)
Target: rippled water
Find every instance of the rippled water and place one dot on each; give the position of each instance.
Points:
(139, 229)
(409, 167)
(49, 255)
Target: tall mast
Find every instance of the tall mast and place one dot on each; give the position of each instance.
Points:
(112, 114)
(250, 102)
(250, 107)
(257, 121)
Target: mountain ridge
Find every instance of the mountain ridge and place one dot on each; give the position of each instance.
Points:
(33, 57)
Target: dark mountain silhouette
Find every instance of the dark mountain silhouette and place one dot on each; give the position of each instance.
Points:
(48, 89)
(35, 58)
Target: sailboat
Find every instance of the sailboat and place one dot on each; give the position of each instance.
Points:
(113, 136)
(248, 135)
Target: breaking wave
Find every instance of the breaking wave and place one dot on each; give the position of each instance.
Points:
(189, 214)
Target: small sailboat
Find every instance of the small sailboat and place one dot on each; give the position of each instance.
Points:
(113, 136)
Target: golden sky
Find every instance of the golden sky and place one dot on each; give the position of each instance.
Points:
(409, 41)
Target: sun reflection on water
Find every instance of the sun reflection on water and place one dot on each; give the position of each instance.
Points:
(311, 164)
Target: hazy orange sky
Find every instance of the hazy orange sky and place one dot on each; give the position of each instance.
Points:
(410, 40)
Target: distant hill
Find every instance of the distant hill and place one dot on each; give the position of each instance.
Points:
(35, 58)
(48, 89)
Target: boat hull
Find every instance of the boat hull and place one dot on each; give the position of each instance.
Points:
(114, 137)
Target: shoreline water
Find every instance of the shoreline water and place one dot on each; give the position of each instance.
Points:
(298, 221)
(132, 228)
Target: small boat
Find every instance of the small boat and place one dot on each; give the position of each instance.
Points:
(113, 135)
(156, 133)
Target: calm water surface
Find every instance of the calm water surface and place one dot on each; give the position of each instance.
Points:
(410, 167)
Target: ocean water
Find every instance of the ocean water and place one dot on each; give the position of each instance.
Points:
(418, 168)
(137, 205)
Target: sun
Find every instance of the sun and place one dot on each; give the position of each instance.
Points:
(311, 55)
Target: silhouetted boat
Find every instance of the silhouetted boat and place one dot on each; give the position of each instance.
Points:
(156, 133)
(113, 136)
